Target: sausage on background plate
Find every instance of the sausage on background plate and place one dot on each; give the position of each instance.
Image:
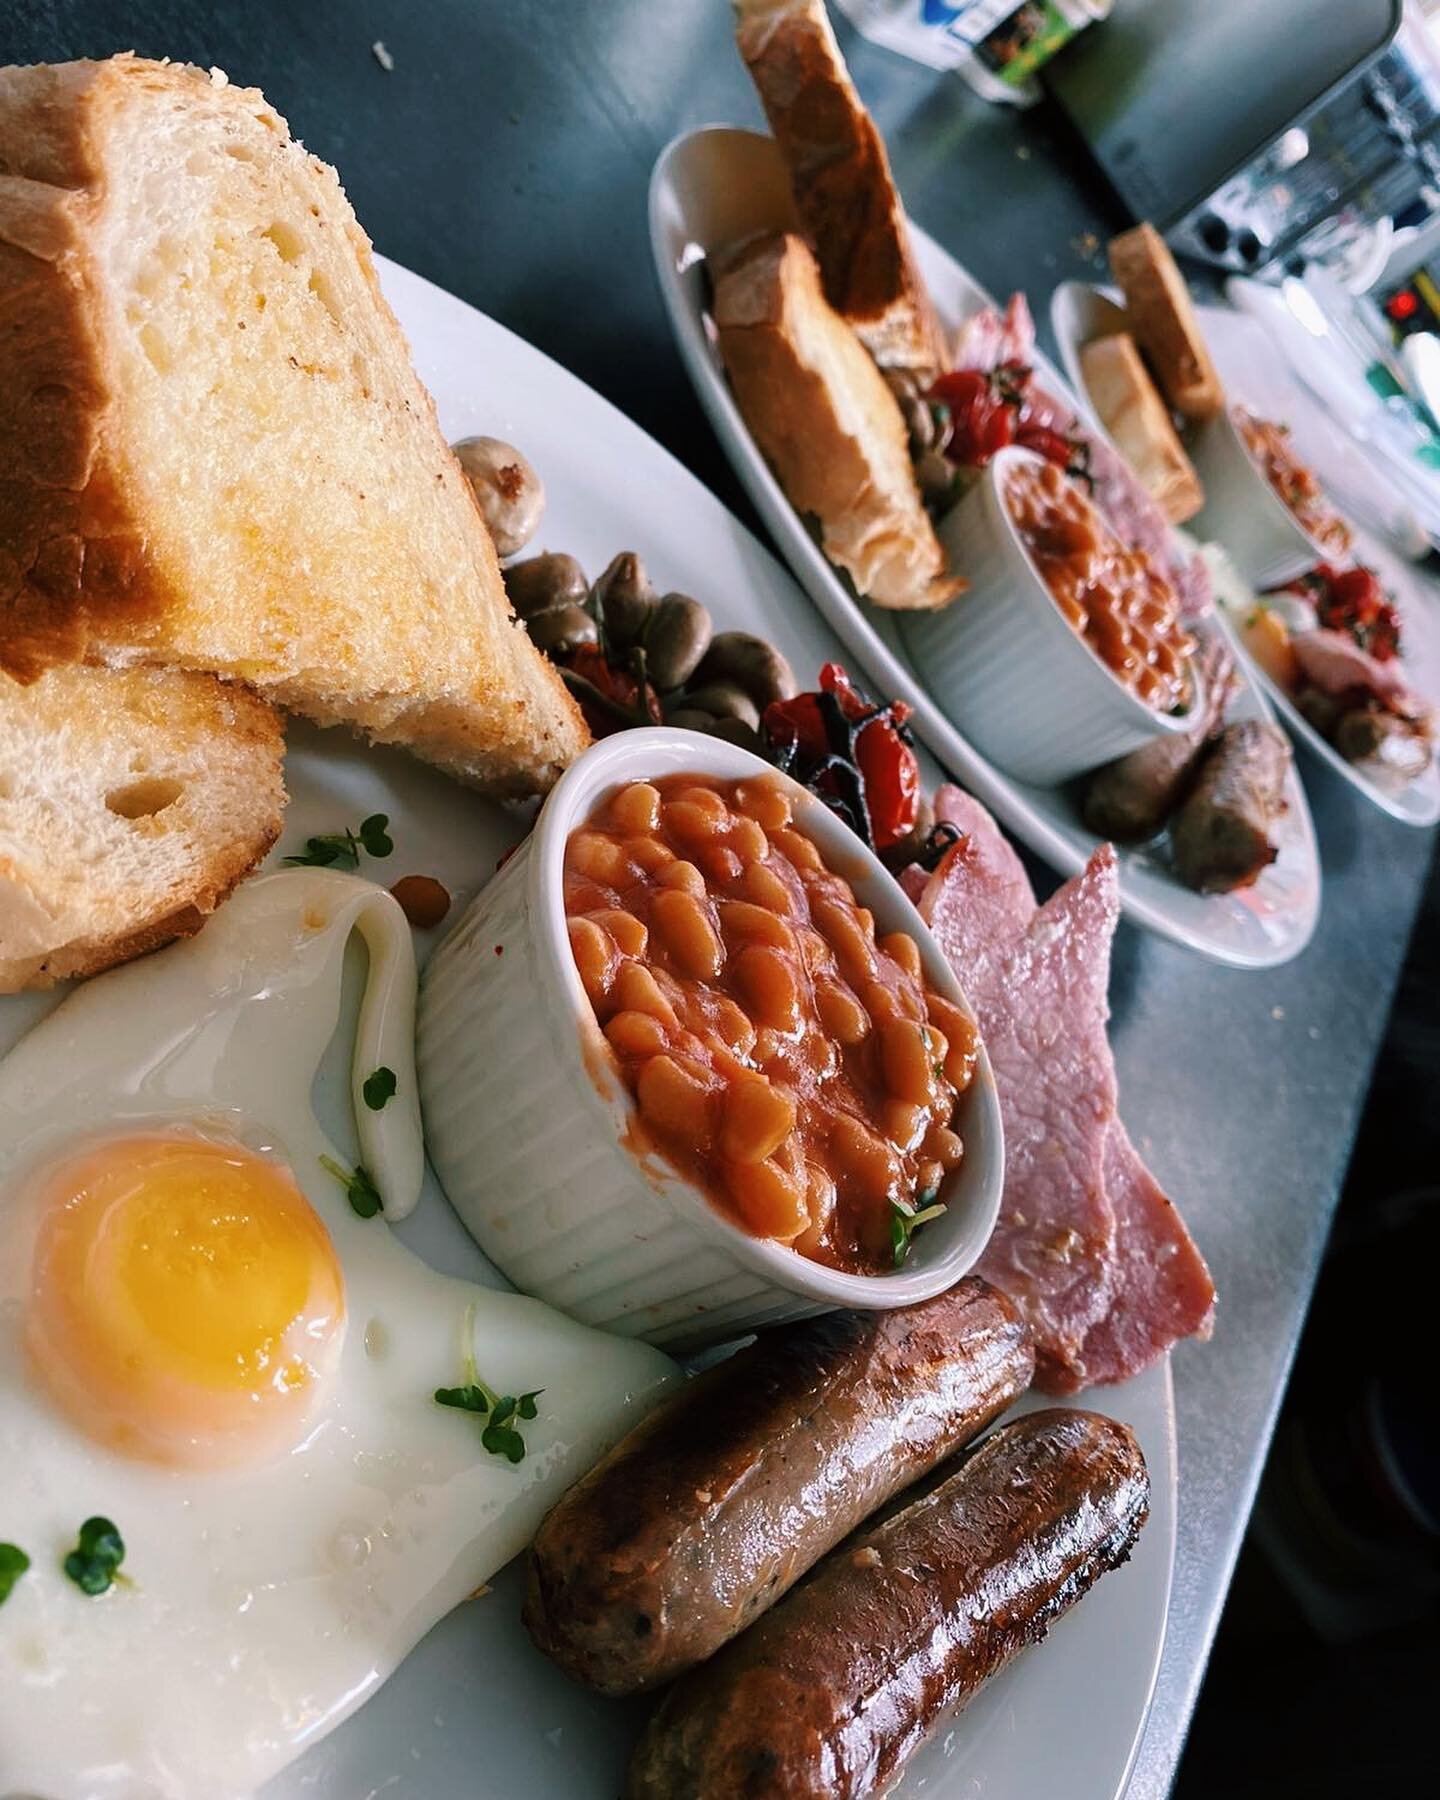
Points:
(826, 1696)
(726, 1494)
(1221, 837)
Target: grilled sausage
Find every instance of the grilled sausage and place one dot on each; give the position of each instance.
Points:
(1132, 797)
(725, 1495)
(1220, 838)
(827, 1695)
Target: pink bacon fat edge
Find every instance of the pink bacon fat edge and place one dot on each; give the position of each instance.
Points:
(989, 338)
(1087, 1244)
(1333, 662)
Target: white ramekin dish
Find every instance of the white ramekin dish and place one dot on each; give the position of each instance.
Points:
(1005, 666)
(1263, 538)
(526, 1115)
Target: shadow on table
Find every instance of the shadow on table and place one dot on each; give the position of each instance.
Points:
(1322, 1681)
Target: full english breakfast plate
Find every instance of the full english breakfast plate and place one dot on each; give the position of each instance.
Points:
(718, 187)
(271, 1025)
(1292, 511)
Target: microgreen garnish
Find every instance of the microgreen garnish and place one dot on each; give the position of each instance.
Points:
(94, 1564)
(360, 1190)
(906, 1219)
(378, 1087)
(13, 1564)
(341, 849)
(500, 1411)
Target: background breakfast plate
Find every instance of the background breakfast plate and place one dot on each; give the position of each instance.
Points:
(1251, 372)
(719, 184)
(1357, 478)
(475, 1713)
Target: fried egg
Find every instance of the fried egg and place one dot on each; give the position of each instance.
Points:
(203, 1340)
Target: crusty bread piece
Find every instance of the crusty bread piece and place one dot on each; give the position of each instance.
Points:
(214, 453)
(1128, 401)
(840, 173)
(823, 415)
(131, 803)
(1162, 318)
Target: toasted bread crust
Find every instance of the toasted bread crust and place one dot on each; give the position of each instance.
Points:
(67, 545)
(84, 574)
(164, 717)
(824, 417)
(1128, 401)
(1162, 318)
(840, 173)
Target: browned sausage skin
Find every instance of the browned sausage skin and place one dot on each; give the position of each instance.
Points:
(732, 1489)
(1221, 837)
(827, 1696)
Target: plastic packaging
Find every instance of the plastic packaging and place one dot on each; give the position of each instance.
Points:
(997, 45)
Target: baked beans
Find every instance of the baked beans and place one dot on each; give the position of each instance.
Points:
(799, 1072)
(1116, 599)
(1293, 482)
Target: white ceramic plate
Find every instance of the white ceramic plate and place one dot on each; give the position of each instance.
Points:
(1246, 361)
(718, 184)
(475, 1713)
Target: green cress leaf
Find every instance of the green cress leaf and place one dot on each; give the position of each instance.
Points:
(360, 1190)
(503, 1440)
(341, 849)
(327, 852)
(469, 1398)
(378, 1087)
(13, 1564)
(374, 835)
(500, 1436)
(94, 1564)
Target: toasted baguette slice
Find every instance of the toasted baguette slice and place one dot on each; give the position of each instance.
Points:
(1162, 318)
(840, 174)
(823, 415)
(214, 453)
(1128, 401)
(131, 802)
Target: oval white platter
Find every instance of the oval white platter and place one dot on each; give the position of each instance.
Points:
(719, 184)
(1246, 361)
(475, 1712)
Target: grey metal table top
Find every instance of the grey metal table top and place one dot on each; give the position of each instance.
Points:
(506, 156)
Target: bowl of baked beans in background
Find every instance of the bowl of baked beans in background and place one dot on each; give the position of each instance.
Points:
(1266, 507)
(692, 1063)
(1068, 649)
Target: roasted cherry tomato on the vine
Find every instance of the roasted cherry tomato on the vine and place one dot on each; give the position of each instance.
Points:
(612, 684)
(857, 757)
(981, 415)
(1053, 445)
(1352, 600)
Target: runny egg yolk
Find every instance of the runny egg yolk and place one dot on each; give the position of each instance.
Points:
(187, 1303)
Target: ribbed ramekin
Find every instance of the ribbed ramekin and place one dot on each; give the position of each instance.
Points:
(527, 1120)
(1263, 538)
(1006, 668)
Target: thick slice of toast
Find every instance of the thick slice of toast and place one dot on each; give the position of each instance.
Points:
(214, 453)
(1162, 319)
(1128, 401)
(821, 412)
(131, 803)
(840, 173)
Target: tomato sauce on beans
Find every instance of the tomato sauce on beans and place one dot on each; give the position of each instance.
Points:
(791, 1064)
(1116, 599)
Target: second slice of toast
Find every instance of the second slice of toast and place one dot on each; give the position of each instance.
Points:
(827, 422)
(214, 452)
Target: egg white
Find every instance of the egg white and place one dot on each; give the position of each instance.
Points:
(267, 1602)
